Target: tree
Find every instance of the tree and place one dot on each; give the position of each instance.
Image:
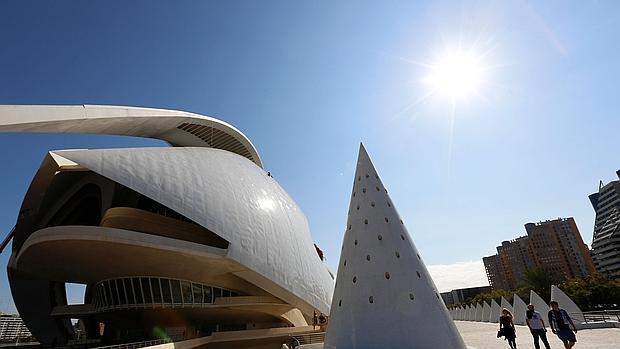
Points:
(540, 280)
(594, 292)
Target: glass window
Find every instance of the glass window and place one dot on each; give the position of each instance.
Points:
(121, 291)
(165, 289)
(208, 294)
(217, 292)
(104, 295)
(146, 290)
(186, 288)
(197, 292)
(113, 294)
(137, 290)
(225, 293)
(129, 291)
(176, 291)
(156, 290)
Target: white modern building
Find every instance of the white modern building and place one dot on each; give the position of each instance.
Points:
(188, 240)
(12, 328)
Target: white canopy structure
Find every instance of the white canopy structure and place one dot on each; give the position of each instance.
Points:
(567, 304)
(539, 304)
(384, 295)
(496, 311)
(478, 316)
(486, 312)
(519, 309)
(506, 305)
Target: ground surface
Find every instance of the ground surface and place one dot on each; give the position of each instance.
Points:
(479, 335)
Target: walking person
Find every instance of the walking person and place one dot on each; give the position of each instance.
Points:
(537, 327)
(559, 321)
(507, 328)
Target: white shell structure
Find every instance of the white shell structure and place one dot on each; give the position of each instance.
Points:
(486, 311)
(506, 305)
(237, 199)
(471, 313)
(567, 304)
(539, 304)
(496, 311)
(519, 310)
(459, 313)
(384, 296)
(479, 310)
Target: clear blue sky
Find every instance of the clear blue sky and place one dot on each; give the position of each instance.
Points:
(307, 81)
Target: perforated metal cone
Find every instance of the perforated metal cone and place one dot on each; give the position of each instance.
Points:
(384, 295)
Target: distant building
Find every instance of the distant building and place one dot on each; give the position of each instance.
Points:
(460, 295)
(555, 245)
(12, 327)
(606, 240)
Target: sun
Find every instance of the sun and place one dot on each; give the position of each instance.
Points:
(457, 75)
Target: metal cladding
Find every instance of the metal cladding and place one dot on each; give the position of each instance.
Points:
(486, 312)
(478, 312)
(567, 304)
(496, 312)
(519, 310)
(506, 305)
(384, 295)
(539, 304)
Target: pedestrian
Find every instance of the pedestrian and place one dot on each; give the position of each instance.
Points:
(537, 327)
(559, 321)
(507, 328)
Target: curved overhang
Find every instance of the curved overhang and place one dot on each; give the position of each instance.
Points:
(177, 128)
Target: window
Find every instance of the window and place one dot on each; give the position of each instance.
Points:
(114, 295)
(176, 291)
(186, 289)
(137, 290)
(165, 289)
(146, 290)
(156, 290)
(217, 292)
(129, 291)
(208, 294)
(197, 292)
(121, 291)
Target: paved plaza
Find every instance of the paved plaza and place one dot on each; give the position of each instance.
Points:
(479, 335)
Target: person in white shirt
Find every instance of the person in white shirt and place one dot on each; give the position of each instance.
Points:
(537, 327)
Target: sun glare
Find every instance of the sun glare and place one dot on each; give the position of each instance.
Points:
(457, 75)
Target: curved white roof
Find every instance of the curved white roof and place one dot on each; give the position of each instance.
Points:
(230, 196)
(178, 128)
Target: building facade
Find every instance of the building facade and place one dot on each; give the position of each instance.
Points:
(554, 245)
(606, 239)
(460, 296)
(178, 241)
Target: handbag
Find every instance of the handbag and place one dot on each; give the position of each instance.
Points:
(500, 333)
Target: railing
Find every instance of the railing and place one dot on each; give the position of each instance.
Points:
(601, 316)
(310, 338)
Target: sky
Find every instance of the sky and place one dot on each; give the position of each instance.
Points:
(308, 81)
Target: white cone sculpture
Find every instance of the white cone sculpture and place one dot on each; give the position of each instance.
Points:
(486, 311)
(478, 312)
(496, 311)
(539, 304)
(384, 296)
(567, 304)
(472, 313)
(519, 310)
(468, 313)
(461, 312)
(506, 304)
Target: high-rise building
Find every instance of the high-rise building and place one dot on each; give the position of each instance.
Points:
(557, 247)
(554, 245)
(461, 295)
(606, 240)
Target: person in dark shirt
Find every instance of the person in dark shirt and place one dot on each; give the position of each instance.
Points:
(507, 328)
(559, 320)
